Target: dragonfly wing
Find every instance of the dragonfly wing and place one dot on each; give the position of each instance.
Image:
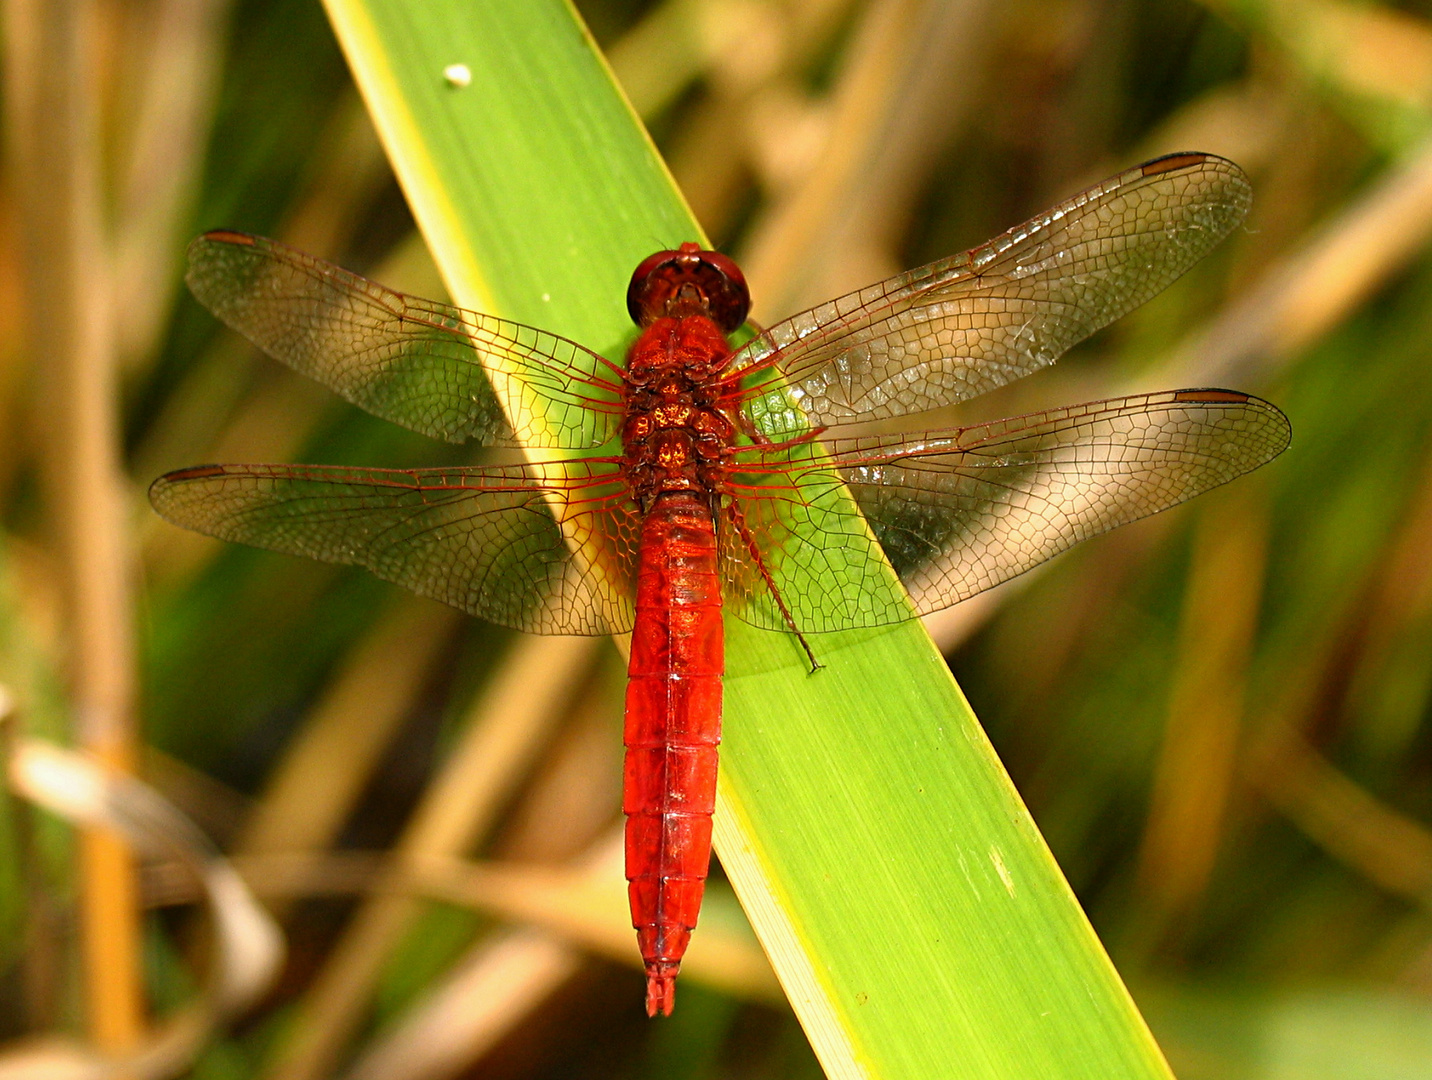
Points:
(796, 554)
(961, 511)
(415, 362)
(964, 325)
(484, 540)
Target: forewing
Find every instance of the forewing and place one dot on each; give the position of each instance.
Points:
(480, 539)
(959, 512)
(967, 324)
(425, 365)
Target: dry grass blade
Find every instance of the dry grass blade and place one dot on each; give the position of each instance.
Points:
(499, 983)
(893, 108)
(1366, 48)
(1311, 290)
(247, 945)
(53, 101)
(755, 116)
(678, 42)
(507, 727)
(174, 54)
(584, 904)
(1199, 754)
(325, 767)
(1389, 848)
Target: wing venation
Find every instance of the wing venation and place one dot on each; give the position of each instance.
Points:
(960, 511)
(415, 362)
(965, 325)
(484, 540)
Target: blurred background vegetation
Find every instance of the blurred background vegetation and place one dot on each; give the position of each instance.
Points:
(1218, 717)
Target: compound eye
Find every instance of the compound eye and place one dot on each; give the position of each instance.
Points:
(689, 281)
(644, 283)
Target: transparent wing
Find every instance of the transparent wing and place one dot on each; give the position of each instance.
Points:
(415, 362)
(480, 539)
(960, 511)
(964, 325)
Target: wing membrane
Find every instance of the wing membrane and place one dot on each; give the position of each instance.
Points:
(822, 560)
(959, 512)
(481, 539)
(415, 362)
(959, 327)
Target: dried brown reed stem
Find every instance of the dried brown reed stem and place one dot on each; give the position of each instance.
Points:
(754, 119)
(488, 993)
(42, 963)
(1387, 847)
(1198, 758)
(501, 982)
(507, 727)
(1390, 686)
(1366, 49)
(1310, 290)
(577, 899)
(583, 902)
(325, 768)
(245, 946)
(678, 42)
(897, 100)
(563, 817)
(172, 62)
(53, 102)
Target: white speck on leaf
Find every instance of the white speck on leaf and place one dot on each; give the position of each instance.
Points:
(1000, 869)
(457, 75)
(966, 870)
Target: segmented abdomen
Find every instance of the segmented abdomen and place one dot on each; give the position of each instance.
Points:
(673, 725)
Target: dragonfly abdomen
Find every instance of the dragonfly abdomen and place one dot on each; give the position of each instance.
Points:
(673, 726)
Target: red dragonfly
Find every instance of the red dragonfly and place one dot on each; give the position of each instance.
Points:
(719, 490)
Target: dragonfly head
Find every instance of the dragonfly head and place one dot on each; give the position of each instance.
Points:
(689, 281)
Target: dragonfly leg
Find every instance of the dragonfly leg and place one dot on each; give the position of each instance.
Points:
(733, 511)
(761, 439)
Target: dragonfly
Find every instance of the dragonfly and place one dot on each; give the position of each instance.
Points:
(717, 478)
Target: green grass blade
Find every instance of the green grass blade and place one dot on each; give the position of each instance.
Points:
(910, 907)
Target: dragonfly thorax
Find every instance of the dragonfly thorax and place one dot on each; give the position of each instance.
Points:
(675, 436)
(674, 354)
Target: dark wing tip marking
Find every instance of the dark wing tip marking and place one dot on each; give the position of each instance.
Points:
(196, 472)
(1174, 162)
(1212, 396)
(1218, 396)
(228, 236)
